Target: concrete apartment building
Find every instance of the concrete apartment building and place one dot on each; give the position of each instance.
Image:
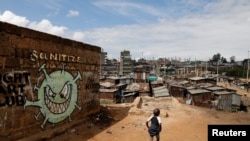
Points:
(126, 63)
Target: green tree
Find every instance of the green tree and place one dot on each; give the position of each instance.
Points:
(215, 58)
(223, 60)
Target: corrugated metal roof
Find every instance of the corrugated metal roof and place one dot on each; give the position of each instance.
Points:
(196, 78)
(133, 87)
(108, 90)
(121, 84)
(223, 92)
(190, 88)
(129, 94)
(113, 77)
(176, 85)
(184, 82)
(198, 91)
(107, 84)
(161, 91)
(215, 88)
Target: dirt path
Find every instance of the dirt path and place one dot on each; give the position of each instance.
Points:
(182, 123)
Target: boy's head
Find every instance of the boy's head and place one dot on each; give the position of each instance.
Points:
(156, 112)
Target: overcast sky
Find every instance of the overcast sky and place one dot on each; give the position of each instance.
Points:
(183, 29)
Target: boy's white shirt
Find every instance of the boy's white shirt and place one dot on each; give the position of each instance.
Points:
(158, 117)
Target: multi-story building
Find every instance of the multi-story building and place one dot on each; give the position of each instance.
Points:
(108, 67)
(103, 57)
(126, 63)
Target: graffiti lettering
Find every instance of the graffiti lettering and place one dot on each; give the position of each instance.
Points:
(12, 86)
(36, 55)
(92, 86)
(12, 89)
(90, 80)
(12, 100)
(16, 77)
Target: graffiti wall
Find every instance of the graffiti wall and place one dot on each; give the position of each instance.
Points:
(45, 81)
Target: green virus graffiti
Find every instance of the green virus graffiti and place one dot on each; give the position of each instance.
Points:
(57, 96)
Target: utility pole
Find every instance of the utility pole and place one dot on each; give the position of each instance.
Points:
(247, 66)
(195, 68)
(121, 65)
(217, 80)
(165, 66)
(206, 70)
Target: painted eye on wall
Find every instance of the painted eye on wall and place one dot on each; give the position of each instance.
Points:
(65, 91)
(50, 93)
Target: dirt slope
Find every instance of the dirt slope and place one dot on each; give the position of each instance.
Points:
(180, 123)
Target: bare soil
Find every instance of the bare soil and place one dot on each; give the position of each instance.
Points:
(180, 122)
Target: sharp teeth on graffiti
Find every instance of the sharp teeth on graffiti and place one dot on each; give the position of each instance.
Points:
(57, 95)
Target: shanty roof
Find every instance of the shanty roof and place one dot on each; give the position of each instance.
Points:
(161, 91)
(198, 91)
(223, 92)
(215, 88)
(196, 78)
(133, 87)
(129, 94)
(121, 84)
(106, 84)
(190, 87)
(108, 90)
(176, 85)
(113, 77)
(183, 82)
(205, 85)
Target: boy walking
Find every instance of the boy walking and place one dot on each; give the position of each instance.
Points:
(154, 128)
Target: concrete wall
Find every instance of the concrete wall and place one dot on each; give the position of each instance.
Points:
(45, 81)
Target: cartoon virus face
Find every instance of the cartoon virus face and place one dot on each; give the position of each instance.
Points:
(57, 96)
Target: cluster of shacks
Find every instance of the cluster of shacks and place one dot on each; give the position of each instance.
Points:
(202, 91)
(118, 90)
(198, 91)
